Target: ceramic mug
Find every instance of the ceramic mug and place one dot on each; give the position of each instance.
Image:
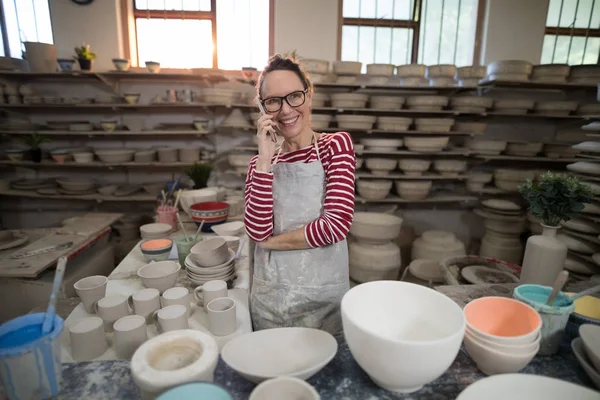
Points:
(171, 318)
(130, 333)
(177, 295)
(145, 302)
(91, 289)
(221, 316)
(210, 291)
(111, 308)
(88, 340)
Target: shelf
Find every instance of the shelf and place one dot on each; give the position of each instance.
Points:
(397, 176)
(94, 164)
(398, 133)
(363, 87)
(432, 199)
(416, 153)
(89, 197)
(107, 134)
(517, 158)
(533, 85)
(90, 108)
(80, 76)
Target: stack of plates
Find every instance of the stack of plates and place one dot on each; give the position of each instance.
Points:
(200, 275)
(155, 231)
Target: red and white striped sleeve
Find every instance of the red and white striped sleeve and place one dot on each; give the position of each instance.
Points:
(258, 202)
(338, 210)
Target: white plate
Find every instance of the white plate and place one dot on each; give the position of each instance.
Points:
(19, 239)
(525, 387)
(584, 360)
(269, 353)
(480, 274)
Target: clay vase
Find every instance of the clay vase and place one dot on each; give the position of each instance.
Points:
(545, 257)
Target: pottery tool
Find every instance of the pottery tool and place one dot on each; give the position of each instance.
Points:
(240, 247)
(51, 311)
(164, 198)
(560, 281)
(586, 292)
(187, 239)
(43, 250)
(177, 200)
(198, 231)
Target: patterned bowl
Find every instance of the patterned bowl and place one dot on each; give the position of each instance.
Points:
(211, 212)
(156, 249)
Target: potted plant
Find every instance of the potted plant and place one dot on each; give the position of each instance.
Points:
(84, 56)
(199, 173)
(34, 141)
(554, 198)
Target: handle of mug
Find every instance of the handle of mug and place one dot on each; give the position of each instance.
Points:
(130, 302)
(95, 306)
(199, 295)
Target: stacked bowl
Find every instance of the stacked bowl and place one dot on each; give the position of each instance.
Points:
(502, 334)
(155, 231)
(209, 260)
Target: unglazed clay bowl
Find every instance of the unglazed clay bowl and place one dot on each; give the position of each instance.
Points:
(160, 275)
(401, 351)
(503, 320)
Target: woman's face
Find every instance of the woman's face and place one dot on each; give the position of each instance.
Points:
(291, 121)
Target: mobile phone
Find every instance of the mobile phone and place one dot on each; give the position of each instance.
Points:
(263, 112)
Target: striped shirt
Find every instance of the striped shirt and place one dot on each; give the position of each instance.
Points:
(336, 151)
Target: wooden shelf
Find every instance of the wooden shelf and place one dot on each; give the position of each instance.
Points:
(400, 176)
(433, 199)
(533, 85)
(398, 133)
(107, 134)
(94, 164)
(88, 197)
(91, 108)
(517, 158)
(416, 153)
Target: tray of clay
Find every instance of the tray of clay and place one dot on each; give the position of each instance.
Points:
(198, 320)
(453, 266)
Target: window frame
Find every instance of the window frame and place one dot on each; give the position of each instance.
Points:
(571, 32)
(414, 24)
(173, 14)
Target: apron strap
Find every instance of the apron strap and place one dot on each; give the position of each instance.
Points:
(316, 148)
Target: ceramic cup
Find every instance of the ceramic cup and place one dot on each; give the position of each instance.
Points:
(177, 295)
(171, 318)
(88, 340)
(130, 333)
(183, 248)
(110, 309)
(145, 302)
(90, 290)
(221, 316)
(210, 291)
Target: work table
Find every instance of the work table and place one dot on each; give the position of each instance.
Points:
(341, 379)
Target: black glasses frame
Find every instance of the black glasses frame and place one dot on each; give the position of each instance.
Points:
(282, 98)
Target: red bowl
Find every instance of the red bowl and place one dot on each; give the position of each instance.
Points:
(209, 212)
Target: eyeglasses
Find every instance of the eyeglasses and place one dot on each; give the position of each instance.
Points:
(294, 100)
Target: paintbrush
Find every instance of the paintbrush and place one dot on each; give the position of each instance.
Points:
(198, 231)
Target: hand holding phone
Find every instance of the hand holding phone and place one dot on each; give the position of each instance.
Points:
(271, 132)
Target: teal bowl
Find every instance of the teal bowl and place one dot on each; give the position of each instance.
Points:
(195, 391)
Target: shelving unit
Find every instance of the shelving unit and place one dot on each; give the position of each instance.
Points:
(204, 78)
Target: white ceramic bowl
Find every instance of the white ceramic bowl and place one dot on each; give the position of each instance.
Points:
(160, 275)
(229, 228)
(525, 387)
(269, 353)
(372, 227)
(401, 351)
(284, 388)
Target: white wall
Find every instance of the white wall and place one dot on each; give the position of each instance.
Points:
(514, 30)
(97, 24)
(309, 26)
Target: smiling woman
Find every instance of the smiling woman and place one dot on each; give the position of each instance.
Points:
(299, 201)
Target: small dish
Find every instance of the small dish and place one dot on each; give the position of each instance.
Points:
(284, 387)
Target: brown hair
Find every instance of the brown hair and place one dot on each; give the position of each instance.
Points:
(280, 62)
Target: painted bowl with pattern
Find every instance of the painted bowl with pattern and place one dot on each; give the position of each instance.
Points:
(210, 212)
(156, 249)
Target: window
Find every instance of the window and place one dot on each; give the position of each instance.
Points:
(572, 32)
(409, 31)
(183, 33)
(24, 21)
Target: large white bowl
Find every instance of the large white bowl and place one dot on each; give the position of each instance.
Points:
(403, 335)
(525, 387)
(295, 352)
(372, 227)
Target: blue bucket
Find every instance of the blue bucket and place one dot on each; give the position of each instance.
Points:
(30, 364)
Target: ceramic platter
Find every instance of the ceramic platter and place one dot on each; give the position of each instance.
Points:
(19, 239)
(480, 274)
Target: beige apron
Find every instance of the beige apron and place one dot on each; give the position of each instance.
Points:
(299, 287)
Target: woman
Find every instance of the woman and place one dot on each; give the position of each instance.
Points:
(299, 205)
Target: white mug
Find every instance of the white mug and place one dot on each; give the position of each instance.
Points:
(88, 340)
(177, 295)
(91, 289)
(171, 318)
(145, 302)
(111, 308)
(222, 316)
(210, 291)
(130, 333)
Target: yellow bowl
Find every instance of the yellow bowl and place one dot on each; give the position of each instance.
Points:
(587, 306)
